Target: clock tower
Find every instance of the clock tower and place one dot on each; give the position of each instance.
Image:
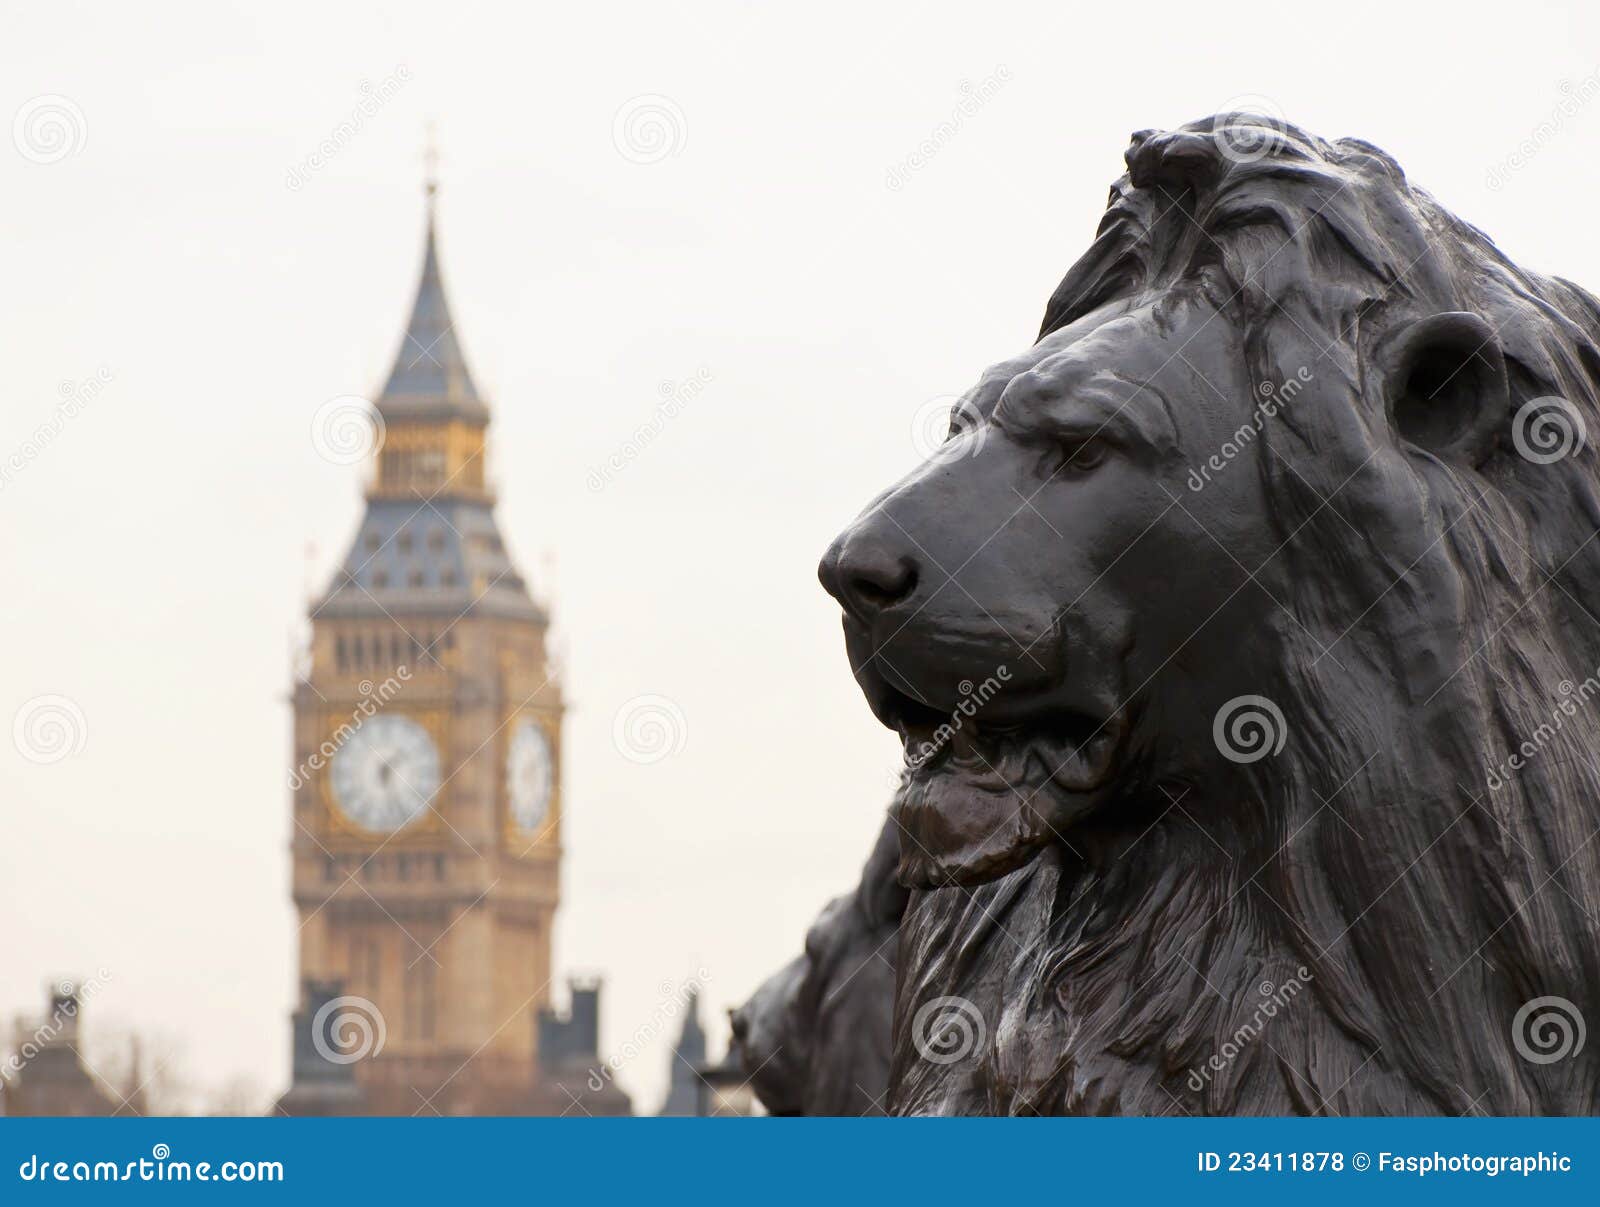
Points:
(426, 799)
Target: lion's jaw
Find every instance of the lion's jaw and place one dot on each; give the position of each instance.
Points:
(986, 788)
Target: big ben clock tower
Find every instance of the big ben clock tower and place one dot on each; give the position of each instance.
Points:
(426, 797)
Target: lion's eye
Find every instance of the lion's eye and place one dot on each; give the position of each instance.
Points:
(960, 421)
(1080, 456)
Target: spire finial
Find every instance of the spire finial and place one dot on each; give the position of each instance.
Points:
(430, 164)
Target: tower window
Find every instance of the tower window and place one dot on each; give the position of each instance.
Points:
(436, 540)
(380, 580)
(403, 542)
(341, 655)
(420, 1003)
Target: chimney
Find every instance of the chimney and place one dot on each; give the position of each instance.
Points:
(586, 1018)
(64, 1006)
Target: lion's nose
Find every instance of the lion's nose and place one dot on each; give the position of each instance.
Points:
(866, 573)
(739, 1021)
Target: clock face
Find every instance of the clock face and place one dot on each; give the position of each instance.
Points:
(386, 774)
(529, 774)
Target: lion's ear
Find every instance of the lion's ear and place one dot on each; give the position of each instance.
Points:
(1445, 385)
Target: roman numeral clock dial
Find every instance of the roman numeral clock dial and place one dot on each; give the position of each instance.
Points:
(386, 774)
(529, 775)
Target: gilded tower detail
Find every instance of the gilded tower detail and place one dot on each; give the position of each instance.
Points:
(426, 841)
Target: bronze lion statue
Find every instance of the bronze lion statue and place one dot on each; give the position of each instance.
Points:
(1243, 640)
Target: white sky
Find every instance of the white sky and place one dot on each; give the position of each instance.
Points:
(156, 550)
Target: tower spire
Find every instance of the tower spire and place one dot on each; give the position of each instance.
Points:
(430, 167)
(429, 378)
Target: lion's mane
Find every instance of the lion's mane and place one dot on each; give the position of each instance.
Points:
(1415, 909)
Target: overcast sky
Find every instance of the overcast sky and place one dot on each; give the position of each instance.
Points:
(780, 219)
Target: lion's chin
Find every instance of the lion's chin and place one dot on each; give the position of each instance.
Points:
(989, 808)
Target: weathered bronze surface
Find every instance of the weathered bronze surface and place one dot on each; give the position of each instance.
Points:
(1243, 643)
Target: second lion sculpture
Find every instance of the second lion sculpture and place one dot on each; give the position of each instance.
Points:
(1281, 541)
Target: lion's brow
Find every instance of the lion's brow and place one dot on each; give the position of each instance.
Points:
(1136, 412)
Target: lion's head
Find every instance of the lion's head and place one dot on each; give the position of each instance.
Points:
(1203, 632)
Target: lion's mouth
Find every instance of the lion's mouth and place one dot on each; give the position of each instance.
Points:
(987, 787)
(1064, 747)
